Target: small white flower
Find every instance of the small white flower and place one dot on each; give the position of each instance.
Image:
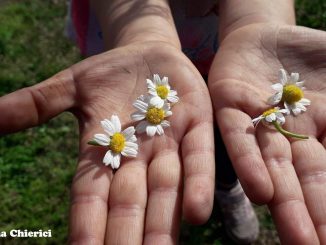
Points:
(272, 115)
(119, 143)
(161, 91)
(154, 116)
(290, 91)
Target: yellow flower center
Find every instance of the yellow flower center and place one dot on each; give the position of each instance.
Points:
(155, 115)
(291, 94)
(270, 111)
(162, 91)
(117, 143)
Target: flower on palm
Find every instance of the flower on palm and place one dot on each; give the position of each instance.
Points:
(160, 91)
(272, 115)
(118, 142)
(289, 91)
(154, 116)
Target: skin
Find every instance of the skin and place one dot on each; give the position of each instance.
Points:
(287, 174)
(143, 201)
(173, 174)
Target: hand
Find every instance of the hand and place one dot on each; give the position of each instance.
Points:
(143, 200)
(287, 174)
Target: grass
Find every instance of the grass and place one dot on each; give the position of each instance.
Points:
(36, 170)
(37, 164)
(311, 13)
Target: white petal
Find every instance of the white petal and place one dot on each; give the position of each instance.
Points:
(102, 139)
(137, 116)
(141, 127)
(160, 129)
(132, 139)
(132, 145)
(281, 119)
(165, 81)
(283, 76)
(168, 113)
(288, 107)
(300, 84)
(151, 130)
(271, 117)
(157, 79)
(116, 161)
(257, 119)
(116, 122)
(150, 84)
(296, 111)
(108, 127)
(165, 124)
(173, 93)
(278, 114)
(140, 105)
(129, 132)
(277, 87)
(108, 158)
(275, 99)
(166, 107)
(173, 98)
(152, 92)
(294, 77)
(304, 101)
(129, 152)
(156, 101)
(293, 108)
(285, 111)
(142, 98)
(300, 106)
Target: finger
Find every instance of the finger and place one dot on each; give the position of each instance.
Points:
(31, 106)
(89, 196)
(287, 207)
(164, 201)
(322, 139)
(199, 172)
(127, 203)
(309, 162)
(239, 137)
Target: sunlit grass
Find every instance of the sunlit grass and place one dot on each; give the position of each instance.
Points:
(37, 165)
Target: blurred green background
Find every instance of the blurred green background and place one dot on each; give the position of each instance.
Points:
(37, 165)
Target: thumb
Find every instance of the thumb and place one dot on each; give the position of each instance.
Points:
(34, 105)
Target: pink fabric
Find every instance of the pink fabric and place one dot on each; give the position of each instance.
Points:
(80, 17)
(198, 34)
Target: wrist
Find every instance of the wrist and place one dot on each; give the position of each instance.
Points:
(235, 14)
(126, 22)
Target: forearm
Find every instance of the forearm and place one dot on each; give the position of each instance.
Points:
(124, 22)
(235, 14)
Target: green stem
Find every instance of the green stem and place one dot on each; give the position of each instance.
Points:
(93, 142)
(287, 133)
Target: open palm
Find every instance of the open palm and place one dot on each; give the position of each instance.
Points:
(287, 174)
(144, 199)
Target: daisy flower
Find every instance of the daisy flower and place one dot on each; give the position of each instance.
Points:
(154, 116)
(290, 91)
(272, 115)
(161, 91)
(275, 117)
(119, 143)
